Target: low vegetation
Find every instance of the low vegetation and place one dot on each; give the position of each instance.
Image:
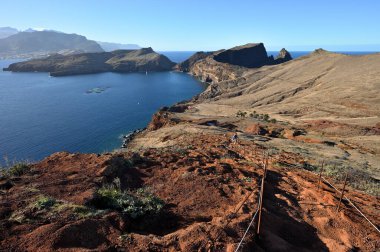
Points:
(357, 179)
(16, 169)
(261, 117)
(135, 204)
(44, 202)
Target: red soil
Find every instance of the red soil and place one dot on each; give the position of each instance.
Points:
(203, 181)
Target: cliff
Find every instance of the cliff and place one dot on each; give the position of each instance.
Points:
(187, 64)
(249, 55)
(117, 61)
(229, 64)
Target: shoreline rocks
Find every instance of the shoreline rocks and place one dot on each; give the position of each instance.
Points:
(130, 136)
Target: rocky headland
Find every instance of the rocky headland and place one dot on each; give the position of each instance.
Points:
(181, 185)
(122, 61)
(228, 64)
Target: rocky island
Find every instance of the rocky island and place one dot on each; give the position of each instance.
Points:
(182, 185)
(122, 61)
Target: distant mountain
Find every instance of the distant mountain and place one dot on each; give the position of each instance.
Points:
(123, 61)
(40, 29)
(45, 43)
(7, 31)
(109, 47)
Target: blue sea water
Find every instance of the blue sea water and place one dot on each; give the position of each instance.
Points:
(178, 56)
(40, 115)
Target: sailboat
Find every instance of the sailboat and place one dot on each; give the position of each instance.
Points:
(146, 72)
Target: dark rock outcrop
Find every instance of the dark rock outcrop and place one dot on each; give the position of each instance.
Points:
(283, 56)
(229, 65)
(86, 63)
(249, 55)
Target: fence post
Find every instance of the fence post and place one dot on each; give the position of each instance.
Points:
(341, 195)
(320, 175)
(261, 205)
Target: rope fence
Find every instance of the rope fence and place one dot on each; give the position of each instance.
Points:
(256, 218)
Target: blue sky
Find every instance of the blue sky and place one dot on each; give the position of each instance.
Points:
(208, 24)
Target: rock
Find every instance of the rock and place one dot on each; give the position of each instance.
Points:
(161, 119)
(249, 55)
(283, 56)
(186, 65)
(256, 129)
(228, 65)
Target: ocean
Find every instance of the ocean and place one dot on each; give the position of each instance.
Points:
(40, 115)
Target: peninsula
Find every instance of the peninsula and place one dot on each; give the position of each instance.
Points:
(122, 61)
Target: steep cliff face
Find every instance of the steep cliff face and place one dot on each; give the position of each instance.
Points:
(187, 64)
(249, 55)
(211, 71)
(118, 61)
(229, 65)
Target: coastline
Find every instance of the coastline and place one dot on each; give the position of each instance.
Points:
(201, 185)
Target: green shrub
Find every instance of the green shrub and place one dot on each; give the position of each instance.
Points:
(44, 202)
(273, 120)
(241, 114)
(134, 204)
(19, 169)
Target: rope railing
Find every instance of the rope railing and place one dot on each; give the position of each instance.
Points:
(257, 213)
(357, 209)
(250, 224)
(346, 198)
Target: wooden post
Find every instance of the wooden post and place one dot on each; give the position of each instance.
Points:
(260, 206)
(320, 175)
(265, 169)
(341, 195)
